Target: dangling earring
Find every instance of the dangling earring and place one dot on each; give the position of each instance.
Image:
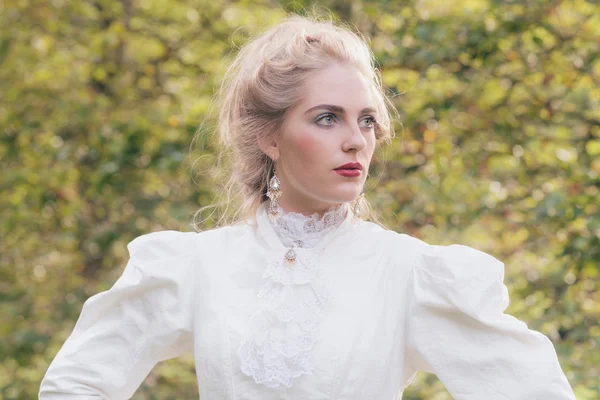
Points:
(273, 194)
(356, 204)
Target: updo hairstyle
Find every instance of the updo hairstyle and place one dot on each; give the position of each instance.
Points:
(266, 79)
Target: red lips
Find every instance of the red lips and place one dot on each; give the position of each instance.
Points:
(352, 165)
(349, 170)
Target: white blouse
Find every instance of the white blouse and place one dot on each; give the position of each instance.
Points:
(306, 308)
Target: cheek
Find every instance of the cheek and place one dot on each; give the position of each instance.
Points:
(307, 148)
(305, 143)
(372, 143)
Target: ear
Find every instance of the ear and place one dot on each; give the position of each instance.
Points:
(270, 147)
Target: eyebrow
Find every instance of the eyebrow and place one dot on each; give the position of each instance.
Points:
(338, 109)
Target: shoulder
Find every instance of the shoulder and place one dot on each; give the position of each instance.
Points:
(457, 262)
(448, 263)
(176, 244)
(460, 277)
(398, 247)
(160, 243)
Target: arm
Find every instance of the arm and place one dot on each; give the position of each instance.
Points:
(457, 329)
(123, 332)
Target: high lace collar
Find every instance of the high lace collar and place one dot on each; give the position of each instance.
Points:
(298, 230)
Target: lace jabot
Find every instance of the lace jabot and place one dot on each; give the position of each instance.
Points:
(291, 301)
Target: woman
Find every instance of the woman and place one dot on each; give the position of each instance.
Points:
(304, 299)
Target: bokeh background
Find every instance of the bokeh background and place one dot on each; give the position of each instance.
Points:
(498, 147)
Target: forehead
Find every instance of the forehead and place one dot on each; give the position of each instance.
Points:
(339, 85)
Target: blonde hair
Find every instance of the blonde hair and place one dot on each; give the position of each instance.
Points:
(265, 80)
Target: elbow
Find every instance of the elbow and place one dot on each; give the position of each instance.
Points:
(54, 395)
(54, 388)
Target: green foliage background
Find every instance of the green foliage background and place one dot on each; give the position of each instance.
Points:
(498, 148)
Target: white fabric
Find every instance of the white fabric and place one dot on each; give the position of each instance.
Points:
(355, 317)
(279, 347)
(297, 230)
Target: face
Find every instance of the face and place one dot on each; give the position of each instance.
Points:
(331, 126)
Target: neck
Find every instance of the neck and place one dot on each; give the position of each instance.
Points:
(305, 209)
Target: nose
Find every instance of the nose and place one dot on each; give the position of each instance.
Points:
(354, 140)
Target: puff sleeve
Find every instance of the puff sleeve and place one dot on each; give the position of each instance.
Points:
(123, 332)
(457, 330)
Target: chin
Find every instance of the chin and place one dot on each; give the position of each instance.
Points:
(350, 192)
(336, 193)
(344, 196)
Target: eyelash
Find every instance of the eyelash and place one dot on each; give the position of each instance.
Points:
(322, 116)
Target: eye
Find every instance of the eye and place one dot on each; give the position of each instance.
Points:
(368, 122)
(325, 119)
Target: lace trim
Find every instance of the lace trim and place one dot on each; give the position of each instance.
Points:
(297, 230)
(291, 303)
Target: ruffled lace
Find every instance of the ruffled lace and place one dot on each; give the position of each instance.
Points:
(298, 230)
(291, 301)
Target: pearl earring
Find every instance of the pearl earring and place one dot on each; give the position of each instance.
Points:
(356, 204)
